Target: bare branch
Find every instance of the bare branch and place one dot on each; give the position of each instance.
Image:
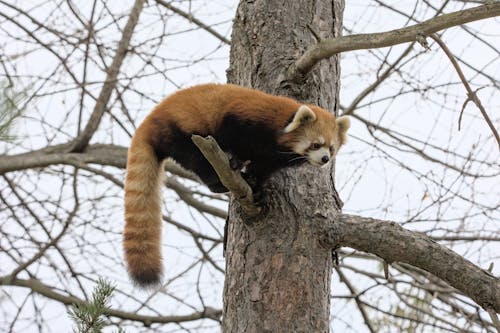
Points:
(393, 243)
(329, 47)
(49, 292)
(187, 196)
(380, 79)
(359, 302)
(110, 82)
(471, 95)
(494, 319)
(102, 154)
(230, 178)
(194, 20)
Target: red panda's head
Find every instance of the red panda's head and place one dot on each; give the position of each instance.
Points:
(315, 134)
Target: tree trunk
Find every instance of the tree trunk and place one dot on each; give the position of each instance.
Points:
(277, 273)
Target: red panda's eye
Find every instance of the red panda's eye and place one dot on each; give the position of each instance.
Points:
(315, 146)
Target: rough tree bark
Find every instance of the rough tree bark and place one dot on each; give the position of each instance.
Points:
(278, 275)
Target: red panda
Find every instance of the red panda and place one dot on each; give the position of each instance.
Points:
(269, 131)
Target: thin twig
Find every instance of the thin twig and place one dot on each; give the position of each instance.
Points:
(54, 293)
(357, 299)
(470, 93)
(494, 318)
(194, 20)
(386, 269)
(110, 82)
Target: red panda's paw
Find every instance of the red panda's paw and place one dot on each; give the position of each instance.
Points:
(235, 163)
(259, 197)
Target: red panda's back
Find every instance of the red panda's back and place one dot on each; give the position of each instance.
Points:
(201, 108)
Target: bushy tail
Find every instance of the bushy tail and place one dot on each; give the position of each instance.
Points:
(142, 233)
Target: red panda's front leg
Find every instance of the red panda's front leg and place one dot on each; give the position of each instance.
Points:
(235, 163)
(255, 176)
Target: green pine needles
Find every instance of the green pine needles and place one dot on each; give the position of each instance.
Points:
(90, 317)
(10, 109)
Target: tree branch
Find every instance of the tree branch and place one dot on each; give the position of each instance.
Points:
(329, 47)
(187, 196)
(494, 319)
(110, 82)
(194, 20)
(49, 292)
(471, 95)
(230, 178)
(357, 299)
(102, 154)
(393, 243)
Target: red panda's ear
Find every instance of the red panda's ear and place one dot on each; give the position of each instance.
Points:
(303, 116)
(343, 124)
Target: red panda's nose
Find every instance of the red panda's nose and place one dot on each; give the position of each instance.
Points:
(325, 159)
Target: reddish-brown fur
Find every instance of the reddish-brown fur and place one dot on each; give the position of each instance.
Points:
(142, 233)
(200, 110)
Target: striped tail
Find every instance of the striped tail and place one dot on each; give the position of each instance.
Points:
(143, 221)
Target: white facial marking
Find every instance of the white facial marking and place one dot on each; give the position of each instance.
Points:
(321, 140)
(301, 146)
